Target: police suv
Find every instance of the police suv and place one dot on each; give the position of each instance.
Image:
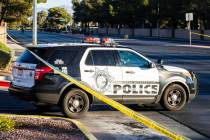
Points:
(118, 72)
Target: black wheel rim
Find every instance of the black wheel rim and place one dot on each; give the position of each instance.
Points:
(174, 98)
(76, 103)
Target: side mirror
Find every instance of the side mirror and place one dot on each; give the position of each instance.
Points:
(160, 62)
(152, 65)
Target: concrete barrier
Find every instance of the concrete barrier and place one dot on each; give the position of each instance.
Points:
(102, 30)
(181, 34)
(154, 32)
(142, 32)
(197, 37)
(166, 33)
(126, 31)
(146, 32)
(113, 31)
(207, 32)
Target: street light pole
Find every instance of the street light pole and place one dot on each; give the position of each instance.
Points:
(34, 38)
(158, 20)
(66, 16)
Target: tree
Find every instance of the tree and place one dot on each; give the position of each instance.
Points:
(201, 10)
(41, 19)
(135, 13)
(42, 1)
(109, 12)
(58, 17)
(16, 10)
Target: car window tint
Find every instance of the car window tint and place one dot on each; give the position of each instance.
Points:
(89, 59)
(103, 57)
(27, 57)
(130, 59)
(62, 57)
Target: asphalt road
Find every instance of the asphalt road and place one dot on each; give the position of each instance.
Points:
(196, 114)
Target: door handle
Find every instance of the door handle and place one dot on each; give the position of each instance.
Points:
(88, 70)
(130, 72)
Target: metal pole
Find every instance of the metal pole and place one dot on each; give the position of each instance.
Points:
(34, 39)
(66, 15)
(158, 20)
(190, 34)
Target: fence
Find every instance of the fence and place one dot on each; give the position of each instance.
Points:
(139, 32)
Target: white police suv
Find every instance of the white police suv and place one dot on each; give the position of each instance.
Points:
(119, 73)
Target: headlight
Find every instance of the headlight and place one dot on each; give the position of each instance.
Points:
(190, 76)
(189, 80)
(187, 74)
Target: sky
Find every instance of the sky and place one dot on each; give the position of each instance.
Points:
(56, 3)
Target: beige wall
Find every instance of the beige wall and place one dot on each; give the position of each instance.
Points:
(142, 32)
(3, 35)
(207, 32)
(138, 32)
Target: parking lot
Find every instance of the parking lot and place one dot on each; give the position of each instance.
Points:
(193, 121)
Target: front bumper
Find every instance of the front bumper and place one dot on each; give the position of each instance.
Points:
(193, 88)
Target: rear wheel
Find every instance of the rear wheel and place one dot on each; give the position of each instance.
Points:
(174, 98)
(75, 103)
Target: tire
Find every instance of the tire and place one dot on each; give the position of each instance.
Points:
(174, 97)
(75, 104)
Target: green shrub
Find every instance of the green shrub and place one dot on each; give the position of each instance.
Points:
(6, 124)
(5, 56)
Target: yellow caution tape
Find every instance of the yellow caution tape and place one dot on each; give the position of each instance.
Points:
(81, 126)
(200, 34)
(123, 109)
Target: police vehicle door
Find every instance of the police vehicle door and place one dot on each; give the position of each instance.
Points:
(139, 78)
(99, 70)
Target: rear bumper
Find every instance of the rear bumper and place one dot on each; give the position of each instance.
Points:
(22, 93)
(34, 95)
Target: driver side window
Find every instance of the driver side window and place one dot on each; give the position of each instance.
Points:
(130, 59)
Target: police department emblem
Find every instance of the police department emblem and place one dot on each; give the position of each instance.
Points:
(103, 80)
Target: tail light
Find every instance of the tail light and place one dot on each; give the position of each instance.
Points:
(40, 71)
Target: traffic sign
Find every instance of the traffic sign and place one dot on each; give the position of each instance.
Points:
(189, 16)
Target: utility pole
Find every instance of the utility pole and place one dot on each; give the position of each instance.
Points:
(66, 16)
(34, 38)
(158, 20)
(190, 33)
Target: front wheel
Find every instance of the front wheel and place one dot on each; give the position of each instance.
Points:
(75, 104)
(174, 97)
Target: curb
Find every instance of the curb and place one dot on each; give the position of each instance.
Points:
(80, 126)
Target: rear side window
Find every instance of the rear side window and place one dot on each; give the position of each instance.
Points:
(27, 57)
(101, 58)
(63, 57)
